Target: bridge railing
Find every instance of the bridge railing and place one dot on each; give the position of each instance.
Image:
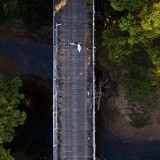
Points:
(93, 80)
(55, 86)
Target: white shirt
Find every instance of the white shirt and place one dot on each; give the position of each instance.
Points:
(79, 48)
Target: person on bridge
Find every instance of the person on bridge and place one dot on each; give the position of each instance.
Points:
(78, 45)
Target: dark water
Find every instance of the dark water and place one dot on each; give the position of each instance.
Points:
(35, 136)
(32, 57)
(114, 148)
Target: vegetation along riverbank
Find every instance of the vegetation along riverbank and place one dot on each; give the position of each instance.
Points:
(10, 114)
(128, 50)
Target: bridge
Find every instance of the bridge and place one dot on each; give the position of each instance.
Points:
(73, 82)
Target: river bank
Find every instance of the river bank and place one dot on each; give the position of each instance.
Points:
(113, 147)
(117, 110)
(15, 28)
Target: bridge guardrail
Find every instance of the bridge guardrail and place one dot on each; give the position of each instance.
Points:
(55, 86)
(93, 76)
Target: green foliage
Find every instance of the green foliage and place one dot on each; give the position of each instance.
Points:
(137, 79)
(129, 37)
(137, 88)
(139, 120)
(150, 18)
(116, 42)
(10, 115)
(131, 5)
(5, 154)
(142, 27)
(155, 59)
(131, 25)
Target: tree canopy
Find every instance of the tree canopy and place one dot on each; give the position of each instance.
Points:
(130, 5)
(5, 154)
(132, 37)
(10, 115)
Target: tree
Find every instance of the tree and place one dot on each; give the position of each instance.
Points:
(144, 30)
(130, 5)
(150, 19)
(5, 154)
(116, 43)
(144, 26)
(10, 115)
(132, 47)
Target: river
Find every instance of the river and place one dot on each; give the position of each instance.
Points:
(32, 57)
(33, 61)
(35, 137)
